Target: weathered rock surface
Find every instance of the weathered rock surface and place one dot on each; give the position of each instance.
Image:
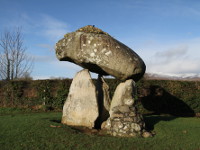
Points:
(97, 51)
(125, 124)
(81, 106)
(124, 95)
(125, 120)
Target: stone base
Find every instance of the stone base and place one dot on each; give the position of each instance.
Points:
(88, 105)
(126, 122)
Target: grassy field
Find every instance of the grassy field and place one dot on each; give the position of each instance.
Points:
(44, 131)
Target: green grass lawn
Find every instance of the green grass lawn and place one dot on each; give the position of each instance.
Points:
(32, 131)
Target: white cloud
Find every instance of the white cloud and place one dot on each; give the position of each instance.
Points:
(179, 66)
(53, 28)
(179, 59)
(173, 53)
(42, 25)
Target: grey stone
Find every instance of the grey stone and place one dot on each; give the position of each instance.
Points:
(93, 49)
(124, 112)
(116, 119)
(117, 115)
(121, 109)
(126, 128)
(122, 131)
(124, 92)
(124, 108)
(132, 134)
(146, 134)
(118, 125)
(81, 107)
(132, 114)
(136, 127)
(103, 125)
(129, 119)
(114, 134)
(106, 124)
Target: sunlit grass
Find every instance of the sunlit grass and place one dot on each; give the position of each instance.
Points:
(44, 131)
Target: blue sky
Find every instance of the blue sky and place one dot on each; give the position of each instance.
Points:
(165, 33)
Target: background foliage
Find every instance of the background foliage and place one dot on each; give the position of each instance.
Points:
(179, 98)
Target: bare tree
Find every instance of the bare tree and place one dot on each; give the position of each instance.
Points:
(14, 62)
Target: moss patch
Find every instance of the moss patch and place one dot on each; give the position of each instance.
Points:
(91, 29)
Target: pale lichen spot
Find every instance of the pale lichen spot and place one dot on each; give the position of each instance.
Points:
(95, 45)
(98, 59)
(95, 50)
(117, 46)
(84, 44)
(91, 38)
(105, 63)
(108, 53)
(92, 54)
(69, 40)
(89, 42)
(103, 50)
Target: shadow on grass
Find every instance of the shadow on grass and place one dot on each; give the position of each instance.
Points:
(56, 121)
(152, 120)
(157, 100)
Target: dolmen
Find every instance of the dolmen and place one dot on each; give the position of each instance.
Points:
(89, 104)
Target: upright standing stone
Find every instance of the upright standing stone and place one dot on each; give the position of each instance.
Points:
(81, 106)
(124, 119)
(124, 95)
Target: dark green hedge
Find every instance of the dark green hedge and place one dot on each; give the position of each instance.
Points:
(154, 96)
(30, 94)
(179, 98)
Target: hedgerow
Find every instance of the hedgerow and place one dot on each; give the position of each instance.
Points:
(153, 96)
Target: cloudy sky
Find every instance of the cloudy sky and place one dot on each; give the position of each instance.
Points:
(165, 33)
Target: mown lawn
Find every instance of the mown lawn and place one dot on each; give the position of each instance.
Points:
(32, 131)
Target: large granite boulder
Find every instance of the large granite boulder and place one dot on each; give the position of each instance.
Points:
(81, 106)
(97, 51)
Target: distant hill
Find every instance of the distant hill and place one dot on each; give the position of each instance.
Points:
(162, 76)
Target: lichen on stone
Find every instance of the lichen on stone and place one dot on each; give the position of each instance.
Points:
(91, 29)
